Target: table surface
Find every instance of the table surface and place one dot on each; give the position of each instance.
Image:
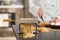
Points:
(52, 35)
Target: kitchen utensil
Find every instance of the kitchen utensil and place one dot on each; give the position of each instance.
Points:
(9, 20)
(42, 19)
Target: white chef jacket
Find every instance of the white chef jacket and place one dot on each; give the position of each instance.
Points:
(51, 8)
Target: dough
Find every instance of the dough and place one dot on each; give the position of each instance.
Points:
(43, 29)
(28, 30)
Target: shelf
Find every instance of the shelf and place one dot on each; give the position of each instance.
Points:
(11, 6)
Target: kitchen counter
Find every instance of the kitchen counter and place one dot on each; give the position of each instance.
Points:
(11, 6)
(7, 34)
(52, 35)
(45, 36)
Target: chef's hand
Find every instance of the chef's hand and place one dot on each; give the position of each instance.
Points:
(55, 20)
(40, 12)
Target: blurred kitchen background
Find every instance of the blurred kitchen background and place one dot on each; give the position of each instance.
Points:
(14, 9)
(19, 7)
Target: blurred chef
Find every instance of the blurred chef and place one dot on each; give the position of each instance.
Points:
(48, 9)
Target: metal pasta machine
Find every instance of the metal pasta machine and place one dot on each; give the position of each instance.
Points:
(28, 21)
